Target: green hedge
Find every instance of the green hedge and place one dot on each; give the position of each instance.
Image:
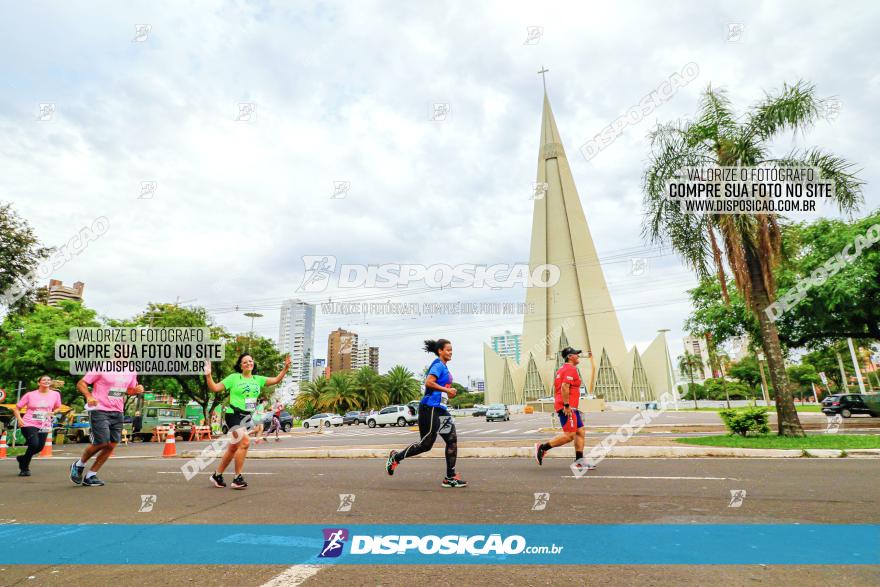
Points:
(745, 421)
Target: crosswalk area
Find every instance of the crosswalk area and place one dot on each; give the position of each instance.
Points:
(395, 431)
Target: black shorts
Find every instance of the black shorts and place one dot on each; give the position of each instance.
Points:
(238, 420)
(105, 426)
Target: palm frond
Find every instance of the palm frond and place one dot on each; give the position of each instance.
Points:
(794, 108)
(834, 169)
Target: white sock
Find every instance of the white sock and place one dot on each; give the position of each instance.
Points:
(90, 474)
(79, 463)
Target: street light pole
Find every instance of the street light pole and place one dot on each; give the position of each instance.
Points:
(252, 315)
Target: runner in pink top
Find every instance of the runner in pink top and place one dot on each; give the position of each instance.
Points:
(36, 423)
(105, 403)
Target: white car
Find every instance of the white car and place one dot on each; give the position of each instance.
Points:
(392, 416)
(325, 420)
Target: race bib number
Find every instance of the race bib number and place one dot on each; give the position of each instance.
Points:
(250, 404)
(444, 398)
(117, 392)
(40, 415)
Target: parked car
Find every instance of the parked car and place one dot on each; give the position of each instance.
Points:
(354, 418)
(323, 419)
(497, 412)
(847, 404)
(153, 416)
(479, 411)
(393, 416)
(286, 421)
(78, 430)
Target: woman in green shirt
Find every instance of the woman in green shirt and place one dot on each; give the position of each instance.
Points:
(244, 388)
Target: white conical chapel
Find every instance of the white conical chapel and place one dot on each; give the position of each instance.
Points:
(577, 311)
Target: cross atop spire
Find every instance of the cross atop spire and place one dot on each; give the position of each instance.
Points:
(543, 77)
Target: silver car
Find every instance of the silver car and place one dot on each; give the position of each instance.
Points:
(497, 412)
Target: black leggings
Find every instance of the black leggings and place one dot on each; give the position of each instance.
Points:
(434, 421)
(36, 440)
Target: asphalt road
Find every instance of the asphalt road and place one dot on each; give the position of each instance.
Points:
(502, 491)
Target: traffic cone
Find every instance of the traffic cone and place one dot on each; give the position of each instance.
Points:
(170, 447)
(47, 449)
(3, 446)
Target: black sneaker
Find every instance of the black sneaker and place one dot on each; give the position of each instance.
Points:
(539, 453)
(217, 480)
(92, 481)
(239, 482)
(76, 473)
(24, 473)
(391, 464)
(20, 466)
(455, 481)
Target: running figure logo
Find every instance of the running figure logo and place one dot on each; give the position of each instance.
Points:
(318, 270)
(147, 503)
(737, 496)
(334, 540)
(541, 500)
(346, 500)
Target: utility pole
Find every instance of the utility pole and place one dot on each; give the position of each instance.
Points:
(842, 373)
(764, 387)
(252, 315)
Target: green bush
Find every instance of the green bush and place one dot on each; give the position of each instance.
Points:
(745, 421)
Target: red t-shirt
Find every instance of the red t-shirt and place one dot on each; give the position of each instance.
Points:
(568, 373)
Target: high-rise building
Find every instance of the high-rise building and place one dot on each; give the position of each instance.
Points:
(319, 366)
(342, 351)
(576, 310)
(507, 345)
(698, 347)
(296, 335)
(58, 292)
(374, 358)
(367, 356)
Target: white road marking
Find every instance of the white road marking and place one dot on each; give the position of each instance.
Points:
(587, 475)
(532, 431)
(489, 432)
(293, 576)
(509, 431)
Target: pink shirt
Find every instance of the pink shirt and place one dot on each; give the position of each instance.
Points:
(110, 389)
(39, 408)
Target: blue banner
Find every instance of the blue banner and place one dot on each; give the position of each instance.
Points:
(468, 544)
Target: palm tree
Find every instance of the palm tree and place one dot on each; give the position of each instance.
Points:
(688, 363)
(340, 394)
(750, 243)
(308, 400)
(368, 385)
(400, 386)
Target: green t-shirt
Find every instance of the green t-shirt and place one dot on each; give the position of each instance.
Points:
(244, 392)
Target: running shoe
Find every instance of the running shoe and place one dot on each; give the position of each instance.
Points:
(391, 464)
(92, 481)
(76, 473)
(239, 482)
(19, 458)
(217, 480)
(456, 481)
(582, 466)
(24, 473)
(539, 453)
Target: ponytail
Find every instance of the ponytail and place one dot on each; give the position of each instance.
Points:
(435, 346)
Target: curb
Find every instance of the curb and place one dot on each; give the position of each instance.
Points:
(565, 452)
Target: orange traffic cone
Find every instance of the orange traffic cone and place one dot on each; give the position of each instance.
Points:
(47, 449)
(170, 447)
(3, 446)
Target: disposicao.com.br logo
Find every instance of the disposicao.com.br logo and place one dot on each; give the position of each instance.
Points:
(321, 270)
(393, 544)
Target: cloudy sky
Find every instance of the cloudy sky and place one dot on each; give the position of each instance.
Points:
(345, 92)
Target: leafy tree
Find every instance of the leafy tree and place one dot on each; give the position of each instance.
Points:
(20, 254)
(803, 376)
(747, 371)
(308, 401)
(845, 305)
(688, 364)
(27, 346)
(751, 244)
(400, 386)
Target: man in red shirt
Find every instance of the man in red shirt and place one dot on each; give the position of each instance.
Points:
(568, 393)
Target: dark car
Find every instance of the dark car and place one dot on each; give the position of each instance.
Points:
(479, 411)
(354, 418)
(847, 404)
(286, 421)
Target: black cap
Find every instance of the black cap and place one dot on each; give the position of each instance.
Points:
(569, 351)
